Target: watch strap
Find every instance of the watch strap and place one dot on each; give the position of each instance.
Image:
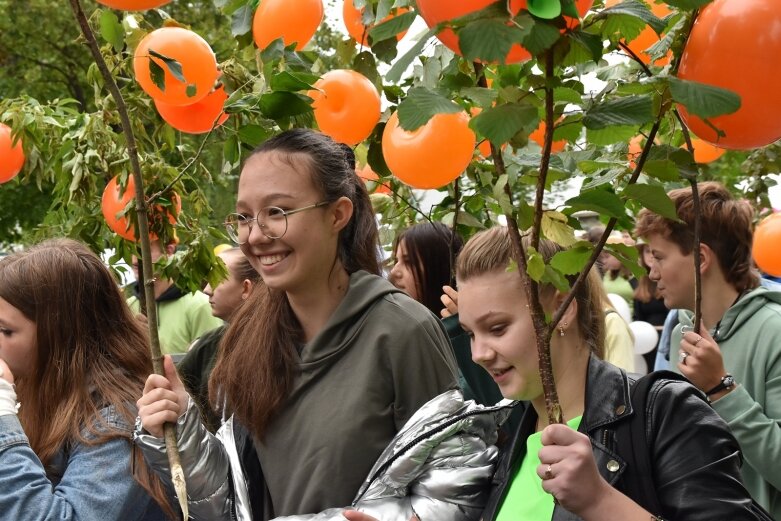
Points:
(727, 382)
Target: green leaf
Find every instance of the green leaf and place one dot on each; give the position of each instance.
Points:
(157, 74)
(420, 105)
(535, 265)
(479, 95)
(600, 201)
(636, 9)
(555, 228)
(487, 39)
(253, 135)
(629, 110)
(571, 261)
(499, 124)
(276, 105)
(662, 169)
(394, 73)
(541, 38)
(629, 257)
(590, 42)
(241, 20)
(111, 30)
(173, 66)
(688, 4)
(609, 135)
(705, 101)
(554, 277)
(501, 196)
(652, 197)
(292, 82)
(230, 150)
(397, 24)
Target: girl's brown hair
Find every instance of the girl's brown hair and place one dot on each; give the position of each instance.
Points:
(492, 249)
(430, 246)
(256, 366)
(91, 352)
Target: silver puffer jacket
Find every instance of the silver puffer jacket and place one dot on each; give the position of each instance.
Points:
(438, 467)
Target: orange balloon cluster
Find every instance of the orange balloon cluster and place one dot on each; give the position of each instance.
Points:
(198, 118)
(647, 36)
(372, 180)
(115, 200)
(346, 105)
(293, 21)
(765, 249)
(435, 12)
(133, 5)
(734, 44)
(199, 65)
(432, 155)
(11, 155)
(354, 24)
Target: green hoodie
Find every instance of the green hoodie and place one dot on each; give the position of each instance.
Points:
(749, 335)
(379, 358)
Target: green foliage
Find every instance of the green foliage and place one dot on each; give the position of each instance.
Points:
(75, 145)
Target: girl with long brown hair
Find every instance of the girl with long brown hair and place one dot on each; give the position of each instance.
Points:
(72, 360)
(321, 367)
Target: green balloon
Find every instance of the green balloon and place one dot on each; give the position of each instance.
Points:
(546, 9)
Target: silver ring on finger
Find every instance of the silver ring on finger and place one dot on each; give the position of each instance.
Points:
(682, 357)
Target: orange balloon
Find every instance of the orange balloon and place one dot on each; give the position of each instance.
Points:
(199, 117)
(199, 65)
(704, 152)
(765, 251)
(372, 180)
(734, 44)
(538, 136)
(437, 11)
(115, 200)
(133, 5)
(354, 24)
(346, 105)
(635, 149)
(11, 155)
(647, 36)
(432, 155)
(293, 21)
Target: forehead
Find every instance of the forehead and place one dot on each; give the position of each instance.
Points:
(501, 288)
(271, 176)
(659, 243)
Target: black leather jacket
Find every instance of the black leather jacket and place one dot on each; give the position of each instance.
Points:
(695, 459)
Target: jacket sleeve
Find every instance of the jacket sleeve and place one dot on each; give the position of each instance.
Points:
(695, 458)
(451, 485)
(758, 428)
(96, 482)
(205, 463)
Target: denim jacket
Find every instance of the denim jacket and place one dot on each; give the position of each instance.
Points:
(84, 482)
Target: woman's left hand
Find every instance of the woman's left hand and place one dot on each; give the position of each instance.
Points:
(568, 470)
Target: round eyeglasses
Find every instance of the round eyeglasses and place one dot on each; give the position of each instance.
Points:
(272, 221)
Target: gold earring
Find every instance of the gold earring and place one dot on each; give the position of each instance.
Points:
(561, 328)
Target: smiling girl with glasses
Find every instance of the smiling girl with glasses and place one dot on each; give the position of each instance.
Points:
(318, 371)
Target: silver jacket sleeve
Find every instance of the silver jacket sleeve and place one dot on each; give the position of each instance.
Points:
(438, 467)
(206, 461)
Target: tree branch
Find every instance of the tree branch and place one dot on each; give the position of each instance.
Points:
(142, 228)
